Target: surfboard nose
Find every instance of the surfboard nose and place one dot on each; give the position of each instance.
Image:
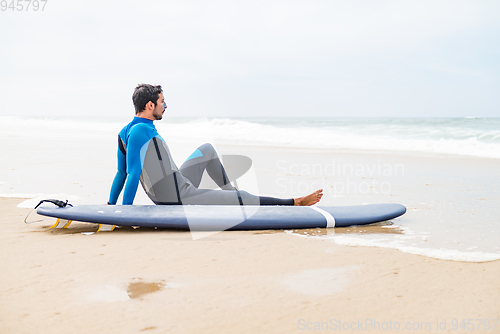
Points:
(399, 209)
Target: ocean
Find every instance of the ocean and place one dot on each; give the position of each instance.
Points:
(471, 136)
(463, 136)
(75, 159)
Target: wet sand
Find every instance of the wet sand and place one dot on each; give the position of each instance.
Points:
(157, 281)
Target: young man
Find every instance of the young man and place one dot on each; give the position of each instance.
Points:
(143, 156)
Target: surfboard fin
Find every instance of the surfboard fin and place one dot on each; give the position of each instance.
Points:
(106, 228)
(61, 223)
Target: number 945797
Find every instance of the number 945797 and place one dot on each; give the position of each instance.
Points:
(23, 5)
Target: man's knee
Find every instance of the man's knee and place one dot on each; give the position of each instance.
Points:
(208, 150)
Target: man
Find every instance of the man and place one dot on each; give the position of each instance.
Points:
(143, 156)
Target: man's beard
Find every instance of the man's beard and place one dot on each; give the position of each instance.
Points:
(158, 117)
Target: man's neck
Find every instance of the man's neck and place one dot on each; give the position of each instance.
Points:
(142, 115)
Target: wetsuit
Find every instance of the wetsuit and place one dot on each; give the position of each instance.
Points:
(144, 156)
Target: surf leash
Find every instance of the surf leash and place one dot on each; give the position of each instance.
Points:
(59, 203)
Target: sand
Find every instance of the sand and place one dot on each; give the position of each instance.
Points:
(158, 281)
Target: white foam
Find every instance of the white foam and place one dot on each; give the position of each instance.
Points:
(476, 137)
(441, 253)
(108, 294)
(17, 195)
(422, 137)
(173, 285)
(47, 127)
(34, 199)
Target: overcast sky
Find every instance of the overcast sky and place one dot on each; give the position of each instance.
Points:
(253, 58)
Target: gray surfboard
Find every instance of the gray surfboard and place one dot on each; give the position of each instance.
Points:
(228, 217)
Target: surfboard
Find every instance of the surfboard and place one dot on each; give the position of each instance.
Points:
(226, 217)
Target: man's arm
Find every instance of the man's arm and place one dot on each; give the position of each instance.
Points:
(121, 176)
(138, 137)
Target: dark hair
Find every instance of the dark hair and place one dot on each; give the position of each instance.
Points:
(144, 93)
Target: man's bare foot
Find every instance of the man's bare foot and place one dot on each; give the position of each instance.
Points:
(309, 199)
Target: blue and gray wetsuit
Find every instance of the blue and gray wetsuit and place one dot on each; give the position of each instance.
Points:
(144, 156)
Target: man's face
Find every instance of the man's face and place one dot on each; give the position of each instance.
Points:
(160, 107)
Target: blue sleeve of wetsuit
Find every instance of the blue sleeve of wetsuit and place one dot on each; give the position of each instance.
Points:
(138, 137)
(119, 181)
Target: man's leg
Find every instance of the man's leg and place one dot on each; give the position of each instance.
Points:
(205, 158)
(195, 196)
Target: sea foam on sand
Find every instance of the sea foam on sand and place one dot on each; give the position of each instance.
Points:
(441, 253)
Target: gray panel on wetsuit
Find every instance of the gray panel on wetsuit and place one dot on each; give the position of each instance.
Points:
(165, 184)
(157, 177)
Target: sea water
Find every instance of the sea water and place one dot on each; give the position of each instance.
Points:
(75, 159)
(463, 136)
